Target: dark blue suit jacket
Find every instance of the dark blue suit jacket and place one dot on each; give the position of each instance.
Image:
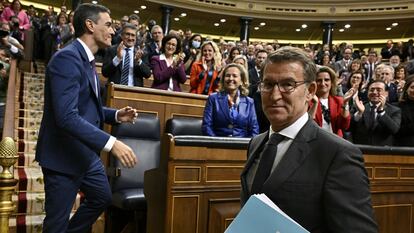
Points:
(217, 120)
(71, 132)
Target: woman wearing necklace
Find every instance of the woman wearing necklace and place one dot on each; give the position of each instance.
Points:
(204, 72)
(230, 112)
(168, 68)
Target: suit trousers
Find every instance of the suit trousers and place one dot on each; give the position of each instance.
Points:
(61, 190)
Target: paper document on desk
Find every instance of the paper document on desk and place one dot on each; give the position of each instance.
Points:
(261, 215)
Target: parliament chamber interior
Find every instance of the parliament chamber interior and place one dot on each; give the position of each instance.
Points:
(187, 181)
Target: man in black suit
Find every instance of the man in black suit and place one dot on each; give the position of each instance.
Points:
(122, 68)
(254, 73)
(376, 122)
(323, 188)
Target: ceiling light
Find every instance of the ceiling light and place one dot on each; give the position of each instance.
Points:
(183, 14)
(347, 25)
(177, 19)
(388, 29)
(216, 24)
(136, 11)
(95, 2)
(394, 24)
(143, 7)
(262, 24)
(341, 30)
(223, 20)
(304, 26)
(298, 29)
(256, 28)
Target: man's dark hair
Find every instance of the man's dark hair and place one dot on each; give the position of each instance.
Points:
(261, 51)
(378, 81)
(129, 26)
(168, 38)
(87, 11)
(134, 17)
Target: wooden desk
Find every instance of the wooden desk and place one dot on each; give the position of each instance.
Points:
(164, 104)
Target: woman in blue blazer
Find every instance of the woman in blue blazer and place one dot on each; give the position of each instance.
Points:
(230, 112)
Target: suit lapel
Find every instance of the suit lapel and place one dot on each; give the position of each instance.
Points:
(256, 146)
(294, 156)
(224, 106)
(90, 73)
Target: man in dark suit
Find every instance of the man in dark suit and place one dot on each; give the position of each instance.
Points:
(376, 122)
(254, 73)
(153, 48)
(323, 188)
(71, 135)
(132, 71)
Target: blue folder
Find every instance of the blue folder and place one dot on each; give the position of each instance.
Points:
(261, 215)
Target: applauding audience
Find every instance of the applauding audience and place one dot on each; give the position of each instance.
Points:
(405, 136)
(376, 122)
(168, 68)
(204, 72)
(330, 111)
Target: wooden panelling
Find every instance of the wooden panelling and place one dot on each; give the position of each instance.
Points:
(386, 173)
(185, 213)
(187, 174)
(221, 214)
(407, 173)
(395, 218)
(223, 174)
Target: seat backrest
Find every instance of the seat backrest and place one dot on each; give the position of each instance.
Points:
(144, 139)
(184, 126)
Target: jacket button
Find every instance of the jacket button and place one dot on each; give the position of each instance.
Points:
(230, 126)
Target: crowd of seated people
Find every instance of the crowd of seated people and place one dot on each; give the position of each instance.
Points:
(203, 60)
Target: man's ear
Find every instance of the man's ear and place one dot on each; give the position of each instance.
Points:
(311, 90)
(89, 25)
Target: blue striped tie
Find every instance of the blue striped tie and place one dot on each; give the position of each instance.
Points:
(125, 68)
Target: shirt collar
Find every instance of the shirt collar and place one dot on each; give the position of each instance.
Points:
(292, 130)
(162, 57)
(89, 53)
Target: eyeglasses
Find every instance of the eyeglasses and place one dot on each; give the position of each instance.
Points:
(285, 86)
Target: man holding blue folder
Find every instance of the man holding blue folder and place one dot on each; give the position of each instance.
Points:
(315, 177)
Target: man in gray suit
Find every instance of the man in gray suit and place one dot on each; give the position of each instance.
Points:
(315, 177)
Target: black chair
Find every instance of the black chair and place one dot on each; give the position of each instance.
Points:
(128, 183)
(184, 126)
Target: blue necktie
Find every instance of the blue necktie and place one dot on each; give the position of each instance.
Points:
(125, 68)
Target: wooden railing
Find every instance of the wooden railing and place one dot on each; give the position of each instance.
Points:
(9, 117)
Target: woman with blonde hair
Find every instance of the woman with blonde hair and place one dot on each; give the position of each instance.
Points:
(204, 72)
(230, 112)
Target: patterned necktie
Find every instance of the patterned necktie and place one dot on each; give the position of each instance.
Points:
(326, 114)
(125, 68)
(267, 159)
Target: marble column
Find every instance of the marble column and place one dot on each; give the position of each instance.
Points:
(245, 28)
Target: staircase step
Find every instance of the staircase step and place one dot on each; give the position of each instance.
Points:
(30, 179)
(27, 160)
(28, 122)
(27, 134)
(29, 113)
(26, 146)
(26, 223)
